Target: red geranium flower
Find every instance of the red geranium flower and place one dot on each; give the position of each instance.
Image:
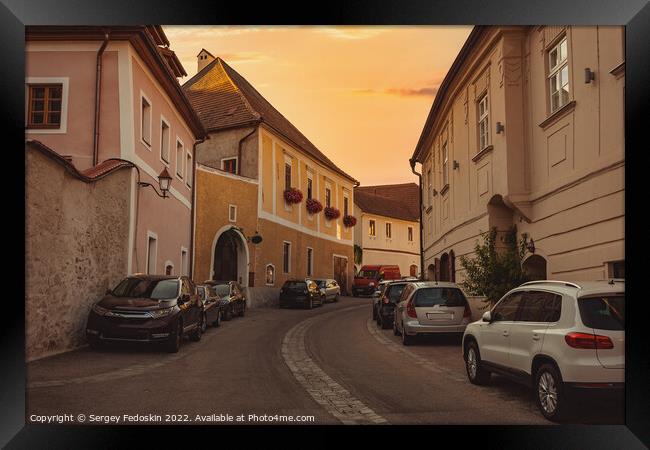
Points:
(314, 206)
(332, 213)
(349, 221)
(292, 195)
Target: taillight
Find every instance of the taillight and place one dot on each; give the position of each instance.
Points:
(467, 314)
(386, 301)
(589, 341)
(410, 310)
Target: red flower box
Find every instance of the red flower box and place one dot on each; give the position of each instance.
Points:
(349, 221)
(313, 206)
(332, 213)
(292, 195)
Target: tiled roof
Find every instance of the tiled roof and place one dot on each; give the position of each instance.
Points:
(401, 201)
(89, 175)
(224, 99)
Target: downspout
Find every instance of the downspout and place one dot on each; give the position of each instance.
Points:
(239, 148)
(192, 208)
(98, 85)
(412, 163)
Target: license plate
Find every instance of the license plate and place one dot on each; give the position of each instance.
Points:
(440, 316)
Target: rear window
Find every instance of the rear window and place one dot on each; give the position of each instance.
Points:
(293, 285)
(395, 292)
(367, 274)
(603, 313)
(439, 296)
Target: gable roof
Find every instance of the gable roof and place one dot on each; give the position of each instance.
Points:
(224, 99)
(400, 201)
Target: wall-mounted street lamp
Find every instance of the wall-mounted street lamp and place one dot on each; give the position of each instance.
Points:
(590, 75)
(456, 165)
(164, 183)
(530, 245)
(500, 128)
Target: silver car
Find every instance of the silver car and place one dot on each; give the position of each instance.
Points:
(430, 307)
(329, 289)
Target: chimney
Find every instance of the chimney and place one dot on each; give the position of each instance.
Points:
(203, 59)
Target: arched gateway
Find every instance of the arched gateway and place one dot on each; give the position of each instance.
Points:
(230, 256)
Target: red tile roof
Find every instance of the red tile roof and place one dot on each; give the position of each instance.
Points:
(224, 99)
(400, 201)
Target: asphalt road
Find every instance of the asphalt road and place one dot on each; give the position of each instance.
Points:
(331, 363)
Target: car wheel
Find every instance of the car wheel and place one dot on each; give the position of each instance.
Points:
(228, 315)
(323, 299)
(94, 343)
(204, 322)
(336, 298)
(195, 336)
(243, 311)
(475, 371)
(395, 331)
(175, 338)
(374, 312)
(550, 393)
(406, 339)
(384, 323)
(311, 302)
(217, 321)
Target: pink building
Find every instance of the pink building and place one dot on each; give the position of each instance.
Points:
(95, 93)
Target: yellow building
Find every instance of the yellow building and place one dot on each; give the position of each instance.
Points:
(253, 155)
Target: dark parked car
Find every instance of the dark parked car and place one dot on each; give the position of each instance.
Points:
(383, 306)
(329, 289)
(211, 305)
(300, 292)
(147, 308)
(232, 300)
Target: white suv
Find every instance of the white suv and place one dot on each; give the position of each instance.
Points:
(557, 336)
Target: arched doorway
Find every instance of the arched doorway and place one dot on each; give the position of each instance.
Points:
(431, 272)
(444, 267)
(413, 270)
(452, 266)
(230, 256)
(535, 267)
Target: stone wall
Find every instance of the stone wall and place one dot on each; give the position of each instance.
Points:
(76, 247)
(225, 144)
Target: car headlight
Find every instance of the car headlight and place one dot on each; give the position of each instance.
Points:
(99, 310)
(371, 284)
(162, 312)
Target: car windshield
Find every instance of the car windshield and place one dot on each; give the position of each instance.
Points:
(395, 292)
(321, 283)
(221, 290)
(147, 288)
(439, 296)
(603, 313)
(295, 285)
(367, 274)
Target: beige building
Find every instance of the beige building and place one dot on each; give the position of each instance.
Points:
(527, 129)
(253, 155)
(388, 231)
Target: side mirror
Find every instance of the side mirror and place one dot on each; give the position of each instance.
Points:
(487, 317)
(375, 294)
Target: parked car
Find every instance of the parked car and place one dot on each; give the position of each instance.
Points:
(383, 305)
(232, 300)
(147, 308)
(329, 289)
(211, 305)
(368, 278)
(430, 307)
(558, 337)
(300, 292)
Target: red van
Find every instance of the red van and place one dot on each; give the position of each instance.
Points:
(365, 282)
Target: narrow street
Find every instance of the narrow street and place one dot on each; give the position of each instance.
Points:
(332, 363)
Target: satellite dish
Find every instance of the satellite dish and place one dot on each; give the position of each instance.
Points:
(256, 239)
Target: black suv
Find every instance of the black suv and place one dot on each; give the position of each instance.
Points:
(300, 292)
(383, 306)
(147, 308)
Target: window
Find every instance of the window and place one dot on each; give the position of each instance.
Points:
(483, 123)
(538, 306)
(310, 261)
(184, 264)
(309, 186)
(229, 165)
(389, 230)
(429, 180)
(179, 159)
(328, 197)
(345, 206)
(558, 75)
(429, 297)
(603, 313)
(286, 257)
(189, 169)
(371, 228)
(410, 233)
(232, 213)
(506, 309)
(152, 244)
(169, 269)
(45, 105)
(145, 120)
(164, 141)
(445, 165)
(616, 269)
(287, 175)
(270, 274)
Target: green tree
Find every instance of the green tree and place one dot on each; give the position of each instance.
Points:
(358, 254)
(494, 270)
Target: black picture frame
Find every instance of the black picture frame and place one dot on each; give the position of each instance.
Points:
(635, 15)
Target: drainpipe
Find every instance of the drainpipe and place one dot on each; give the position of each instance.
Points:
(192, 209)
(412, 163)
(239, 149)
(98, 85)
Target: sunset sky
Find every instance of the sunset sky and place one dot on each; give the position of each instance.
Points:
(360, 94)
